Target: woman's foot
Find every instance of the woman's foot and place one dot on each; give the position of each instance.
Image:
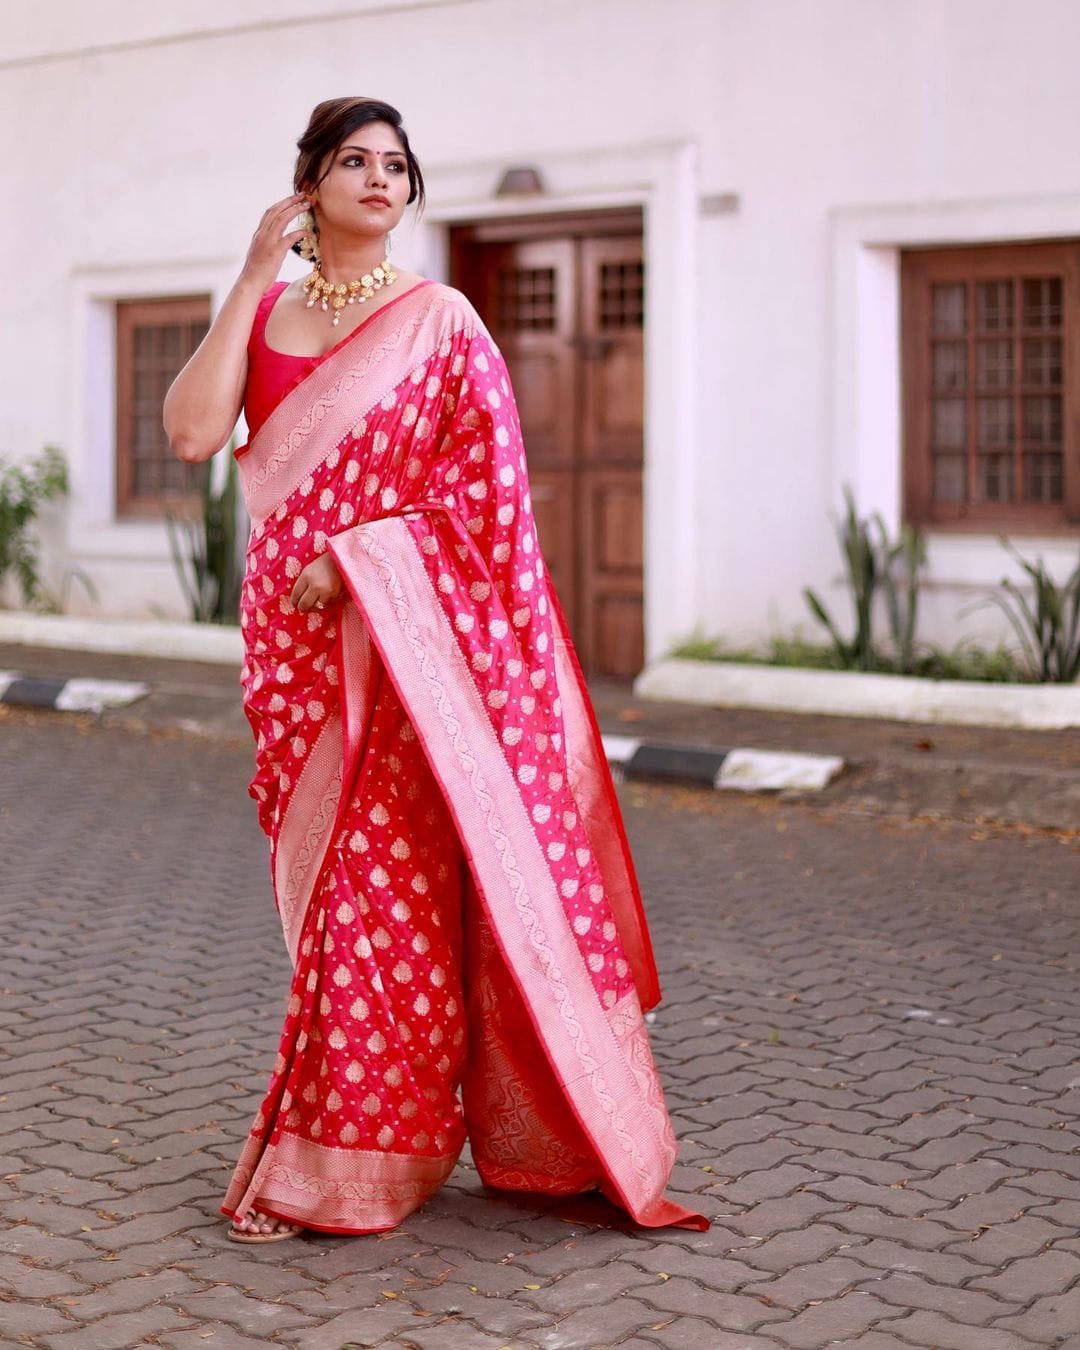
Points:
(258, 1227)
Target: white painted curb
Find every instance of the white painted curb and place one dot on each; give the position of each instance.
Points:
(718, 684)
(210, 642)
(777, 771)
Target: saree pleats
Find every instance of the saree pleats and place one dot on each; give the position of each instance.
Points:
(469, 947)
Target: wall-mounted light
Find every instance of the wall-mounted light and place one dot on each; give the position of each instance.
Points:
(719, 204)
(520, 182)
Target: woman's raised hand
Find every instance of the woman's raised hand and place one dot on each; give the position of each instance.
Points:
(271, 242)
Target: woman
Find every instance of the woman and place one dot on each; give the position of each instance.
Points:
(448, 860)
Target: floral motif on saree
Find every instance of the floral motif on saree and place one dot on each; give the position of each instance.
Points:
(448, 856)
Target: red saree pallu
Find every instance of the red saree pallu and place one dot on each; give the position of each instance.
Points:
(449, 863)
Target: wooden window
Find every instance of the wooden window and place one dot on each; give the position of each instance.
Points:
(991, 387)
(622, 294)
(525, 299)
(154, 339)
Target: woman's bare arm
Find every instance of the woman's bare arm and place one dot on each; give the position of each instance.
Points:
(204, 401)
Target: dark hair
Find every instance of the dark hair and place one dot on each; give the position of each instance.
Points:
(331, 123)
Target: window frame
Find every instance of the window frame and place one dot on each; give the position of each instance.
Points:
(921, 269)
(129, 314)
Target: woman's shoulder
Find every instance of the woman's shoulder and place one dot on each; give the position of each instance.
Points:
(262, 311)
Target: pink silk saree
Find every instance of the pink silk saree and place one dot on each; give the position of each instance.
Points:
(469, 949)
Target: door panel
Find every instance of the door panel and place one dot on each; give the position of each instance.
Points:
(612, 329)
(553, 506)
(567, 313)
(611, 569)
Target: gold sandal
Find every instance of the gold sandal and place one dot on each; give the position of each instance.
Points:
(278, 1235)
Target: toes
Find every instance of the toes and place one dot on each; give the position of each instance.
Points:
(254, 1221)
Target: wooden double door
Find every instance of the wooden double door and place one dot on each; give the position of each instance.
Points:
(564, 299)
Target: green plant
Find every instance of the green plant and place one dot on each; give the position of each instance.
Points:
(906, 557)
(206, 551)
(966, 661)
(873, 563)
(1048, 625)
(24, 489)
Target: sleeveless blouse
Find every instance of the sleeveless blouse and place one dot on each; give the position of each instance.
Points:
(272, 374)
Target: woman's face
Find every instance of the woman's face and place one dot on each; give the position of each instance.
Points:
(367, 186)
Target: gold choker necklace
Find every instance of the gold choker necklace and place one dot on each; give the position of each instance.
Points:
(334, 297)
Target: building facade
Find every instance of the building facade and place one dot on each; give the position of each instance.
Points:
(779, 247)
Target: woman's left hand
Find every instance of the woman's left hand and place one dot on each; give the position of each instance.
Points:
(318, 585)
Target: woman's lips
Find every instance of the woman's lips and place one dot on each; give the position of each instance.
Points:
(380, 202)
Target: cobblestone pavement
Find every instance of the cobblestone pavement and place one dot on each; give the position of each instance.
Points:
(870, 1042)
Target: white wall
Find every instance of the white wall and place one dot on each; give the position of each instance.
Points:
(145, 147)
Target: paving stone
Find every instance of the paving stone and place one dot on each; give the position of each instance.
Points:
(44, 1212)
(151, 1227)
(250, 1315)
(602, 1325)
(917, 1231)
(452, 1334)
(733, 1312)
(129, 1295)
(905, 1289)
(30, 1281)
(724, 1274)
(795, 1248)
(25, 1319)
(816, 1280)
(209, 1336)
(121, 1332)
(508, 1317)
(997, 1206)
(842, 1163)
(772, 1216)
(367, 1327)
(693, 1333)
(1049, 1183)
(597, 1248)
(101, 1265)
(26, 1240)
(1054, 1315)
(1064, 1213)
(592, 1285)
(767, 1184)
(923, 1328)
(65, 1188)
(882, 1254)
(876, 1340)
(1032, 1277)
(838, 1319)
(960, 1179)
(906, 1201)
(963, 1147)
(1003, 1242)
(818, 1136)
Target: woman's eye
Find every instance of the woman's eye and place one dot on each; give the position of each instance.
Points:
(397, 166)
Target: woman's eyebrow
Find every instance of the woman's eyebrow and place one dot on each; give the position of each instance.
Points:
(364, 150)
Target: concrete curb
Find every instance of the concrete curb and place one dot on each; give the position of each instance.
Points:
(68, 695)
(741, 770)
(837, 693)
(218, 644)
